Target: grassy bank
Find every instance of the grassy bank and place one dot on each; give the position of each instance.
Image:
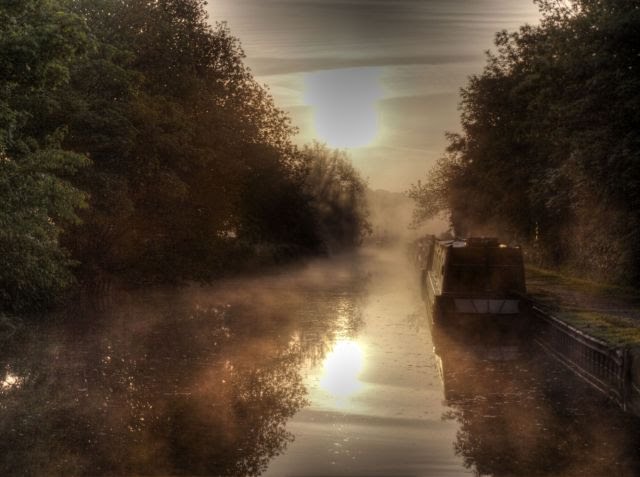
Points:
(608, 312)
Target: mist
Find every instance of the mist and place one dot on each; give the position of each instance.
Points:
(220, 224)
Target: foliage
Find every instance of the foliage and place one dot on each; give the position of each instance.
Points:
(192, 171)
(177, 129)
(38, 42)
(339, 197)
(548, 154)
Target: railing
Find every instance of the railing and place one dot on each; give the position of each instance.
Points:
(600, 364)
(612, 370)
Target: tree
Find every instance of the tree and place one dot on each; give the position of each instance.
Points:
(338, 197)
(181, 137)
(548, 153)
(38, 42)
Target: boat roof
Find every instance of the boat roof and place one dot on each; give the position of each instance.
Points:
(472, 242)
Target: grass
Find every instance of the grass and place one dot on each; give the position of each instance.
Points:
(615, 330)
(614, 327)
(583, 285)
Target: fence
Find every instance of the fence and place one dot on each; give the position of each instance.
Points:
(606, 367)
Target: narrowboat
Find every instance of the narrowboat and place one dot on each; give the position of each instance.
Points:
(423, 250)
(474, 284)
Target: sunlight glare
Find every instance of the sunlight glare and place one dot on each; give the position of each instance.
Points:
(10, 381)
(342, 368)
(344, 102)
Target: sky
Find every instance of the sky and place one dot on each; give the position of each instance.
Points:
(378, 78)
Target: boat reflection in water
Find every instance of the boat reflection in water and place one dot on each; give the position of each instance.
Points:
(521, 414)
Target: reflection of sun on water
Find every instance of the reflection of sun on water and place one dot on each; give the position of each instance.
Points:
(341, 370)
(344, 103)
(10, 381)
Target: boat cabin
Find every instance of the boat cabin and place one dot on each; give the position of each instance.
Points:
(471, 277)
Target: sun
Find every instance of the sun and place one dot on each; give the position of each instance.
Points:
(344, 103)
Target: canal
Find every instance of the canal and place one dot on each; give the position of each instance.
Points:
(323, 369)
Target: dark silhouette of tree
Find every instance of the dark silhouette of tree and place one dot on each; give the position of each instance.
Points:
(177, 128)
(338, 197)
(548, 151)
(186, 166)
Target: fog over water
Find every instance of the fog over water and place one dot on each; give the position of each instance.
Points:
(189, 288)
(323, 369)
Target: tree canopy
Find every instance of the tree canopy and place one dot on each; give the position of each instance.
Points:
(135, 144)
(38, 44)
(548, 153)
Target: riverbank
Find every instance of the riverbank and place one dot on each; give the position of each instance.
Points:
(608, 312)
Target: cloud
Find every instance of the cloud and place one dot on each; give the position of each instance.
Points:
(425, 51)
(265, 66)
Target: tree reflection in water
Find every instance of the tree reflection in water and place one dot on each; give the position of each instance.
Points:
(200, 384)
(521, 414)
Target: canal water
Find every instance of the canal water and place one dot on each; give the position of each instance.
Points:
(324, 369)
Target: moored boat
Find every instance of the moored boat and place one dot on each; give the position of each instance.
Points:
(474, 285)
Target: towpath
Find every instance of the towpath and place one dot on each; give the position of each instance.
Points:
(606, 311)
